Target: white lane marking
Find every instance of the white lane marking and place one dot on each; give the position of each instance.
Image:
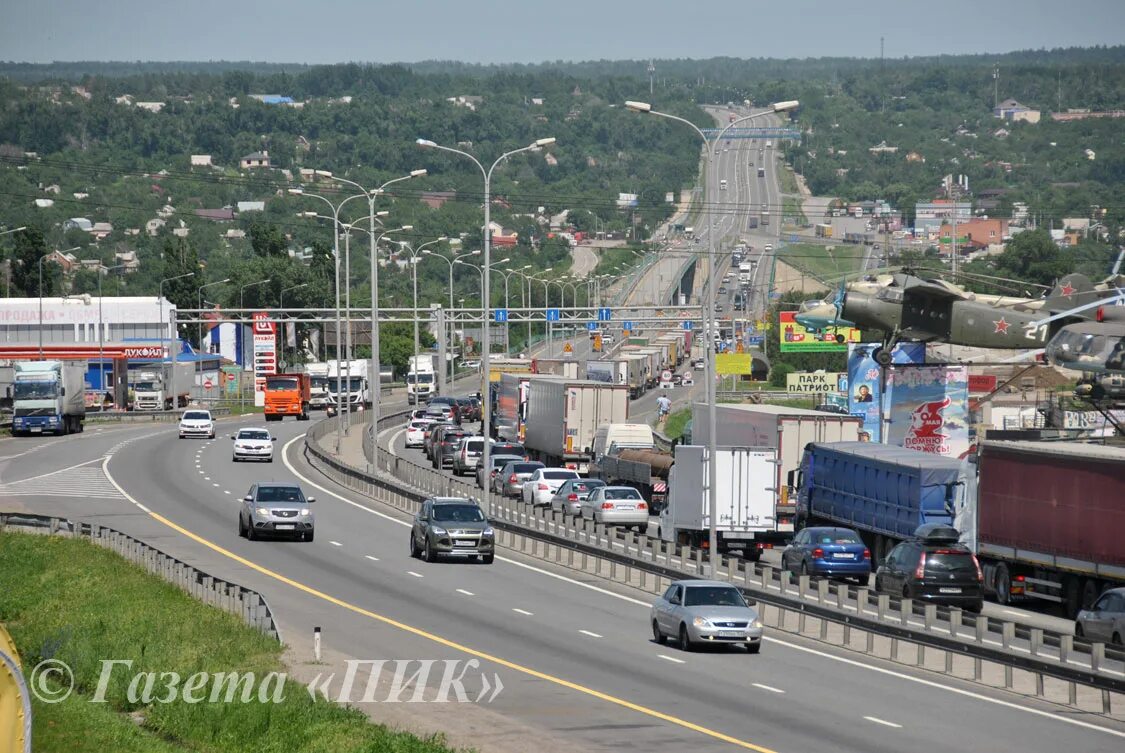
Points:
(524, 612)
(335, 543)
(214, 484)
(206, 478)
(373, 559)
(467, 593)
(52, 473)
(883, 722)
(225, 492)
(672, 659)
(646, 605)
(767, 687)
(416, 575)
(592, 635)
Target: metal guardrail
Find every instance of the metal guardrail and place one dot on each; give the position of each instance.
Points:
(240, 601)
(405, 485)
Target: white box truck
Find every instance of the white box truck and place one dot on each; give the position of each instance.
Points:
(319, 398)
(784, 430)
(152, 385)
(421, 379)
(609, 370)
(744, 498)
(563, 415)
(48, 396)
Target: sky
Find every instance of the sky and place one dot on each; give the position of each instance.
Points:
(532, 31)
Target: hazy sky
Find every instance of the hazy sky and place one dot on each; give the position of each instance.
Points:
(329, 31)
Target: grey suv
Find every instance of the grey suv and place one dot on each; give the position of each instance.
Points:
(452, 526)
(276, 509)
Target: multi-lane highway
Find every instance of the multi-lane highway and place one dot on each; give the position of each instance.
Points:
(578, 666)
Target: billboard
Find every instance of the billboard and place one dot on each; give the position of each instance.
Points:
(928, 408)
(865, 383)
(794, 338)
(805, 382)
(733, 363)
(265, 354)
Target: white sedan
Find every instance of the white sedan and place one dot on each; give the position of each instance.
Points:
(253, 444)
(616, 505)
(540, 488)
(416, 431)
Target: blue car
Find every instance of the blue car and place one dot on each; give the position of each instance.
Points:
(835, 552)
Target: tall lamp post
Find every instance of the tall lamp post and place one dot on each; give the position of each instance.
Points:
(486, 303)
(371, 196)
(449, 317)
(415, 257)
(175, 337)
(507, 274)
(484, 312)
(547, 328)
(709, 313)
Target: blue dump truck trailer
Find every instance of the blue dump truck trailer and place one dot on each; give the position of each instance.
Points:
(881, 491)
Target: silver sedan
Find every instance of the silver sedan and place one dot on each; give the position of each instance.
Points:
(1104, 621)
(695, 612)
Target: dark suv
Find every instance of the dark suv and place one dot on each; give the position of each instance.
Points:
(445, 447)
(933, 567)
(469, 409)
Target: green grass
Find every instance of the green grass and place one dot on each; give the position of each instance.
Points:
(787, 180)
(677, 421)
(616, 260)
(825, 262)
(791, 211)
(70, 600)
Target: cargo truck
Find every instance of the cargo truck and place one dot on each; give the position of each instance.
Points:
(319, 399)
(637, 374)
(152, 385)
(744, 498)
(348, 382)
(1048, 521)
(786, 431)
(287, 395)
(609, 370)
(508, 412)
(645, 469)
(421, 379)
(562, 416)
(564, 367)
(48, 396)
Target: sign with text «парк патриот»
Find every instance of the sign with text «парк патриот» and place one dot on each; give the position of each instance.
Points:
(805, 382)
(794, 338)
(265, 354)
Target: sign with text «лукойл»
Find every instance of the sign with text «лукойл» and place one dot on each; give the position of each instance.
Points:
(265, 354)
(804, 382)
(794, 338)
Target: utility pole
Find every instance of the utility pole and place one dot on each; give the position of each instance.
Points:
(651, 73)
(995, 86)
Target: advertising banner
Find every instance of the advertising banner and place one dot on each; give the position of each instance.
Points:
(864, 382)
(265, 354)
(928, 408)
(733, 363)
(794, 338)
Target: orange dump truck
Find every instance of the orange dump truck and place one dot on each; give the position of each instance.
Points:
(288, 395)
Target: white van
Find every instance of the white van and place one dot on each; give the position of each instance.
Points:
(723, 184)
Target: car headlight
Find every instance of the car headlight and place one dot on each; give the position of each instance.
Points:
(701, 622)
(755, 623)
(304, 513)
(488, 532)
(437, 530)
(262, 511)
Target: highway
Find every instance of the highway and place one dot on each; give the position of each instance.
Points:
(578, 666)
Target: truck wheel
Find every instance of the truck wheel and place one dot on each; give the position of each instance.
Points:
(1002, 584)
(1072, 596)
(1090, 592)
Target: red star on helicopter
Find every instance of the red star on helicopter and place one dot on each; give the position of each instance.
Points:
(1067, 289)
(1001, 326)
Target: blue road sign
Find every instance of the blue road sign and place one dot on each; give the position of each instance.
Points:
(552, 315)
(592, 326)
(687, 326)
(500, 315)
(604, 315)
(627, 325)
(755, 340)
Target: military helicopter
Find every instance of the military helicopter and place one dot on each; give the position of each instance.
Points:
(908, 307)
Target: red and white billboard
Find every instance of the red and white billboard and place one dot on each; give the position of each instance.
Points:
(265, 354)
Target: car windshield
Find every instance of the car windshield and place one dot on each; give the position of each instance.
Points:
(458, 514)
(351, 385)
(836, 537)
(713, 596)
(585, 486)
(278, 383)
(559, 475)
(253, 434)
(280, 494)
(526, 467)
(34, 390)
(419, 378)
(197, 415)
(319, 382)
(946, 561)
(621, 494)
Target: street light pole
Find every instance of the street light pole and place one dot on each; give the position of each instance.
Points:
(163, 327)
(449, 316)
(101, 327)
(486, 303)
(709, 318)
(281, 305)
(415, 257)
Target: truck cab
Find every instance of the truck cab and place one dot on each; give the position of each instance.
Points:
(287, 395)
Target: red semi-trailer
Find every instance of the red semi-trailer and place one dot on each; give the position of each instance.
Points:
(1049, 521)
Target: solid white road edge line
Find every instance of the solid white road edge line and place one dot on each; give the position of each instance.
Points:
(767, 687)
(883, 722)
(638, 602)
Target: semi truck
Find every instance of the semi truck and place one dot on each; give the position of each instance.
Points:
(48, 396)
(645, 469)
(152, 386)
(421, 379)
(1048, 520)
(498, 366)
(562, 416)
(319, 398)
(744, 498)
(349, 380)
(288, 395)
(564, 367)
(508, 412)
(786, 431)
(609, 370)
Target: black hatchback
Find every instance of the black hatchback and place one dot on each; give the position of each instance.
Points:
(933, 567)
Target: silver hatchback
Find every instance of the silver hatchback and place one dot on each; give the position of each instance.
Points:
(509, 481)
(695, 612)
